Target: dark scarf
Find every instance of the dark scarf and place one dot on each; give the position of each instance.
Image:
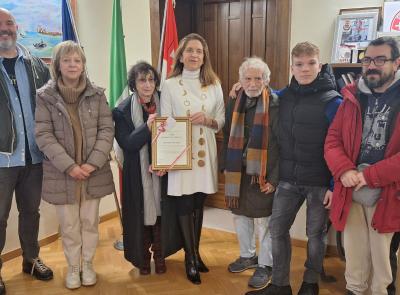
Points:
(256, 157)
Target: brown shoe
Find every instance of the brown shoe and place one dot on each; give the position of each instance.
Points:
(160, 265)
(145, 269)
(159, 261)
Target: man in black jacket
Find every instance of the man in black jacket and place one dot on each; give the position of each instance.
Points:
(20, 159)
(306, 108)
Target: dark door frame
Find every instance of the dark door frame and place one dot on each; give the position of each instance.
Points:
(277, 35)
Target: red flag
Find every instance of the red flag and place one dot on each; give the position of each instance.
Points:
(170, 41)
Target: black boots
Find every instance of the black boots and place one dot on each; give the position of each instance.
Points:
(198, 224)
(187, 229)
(191, 231)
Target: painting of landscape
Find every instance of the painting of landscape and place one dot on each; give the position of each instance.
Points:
(39, 24)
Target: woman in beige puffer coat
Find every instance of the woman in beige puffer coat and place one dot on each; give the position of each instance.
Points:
(75, 131)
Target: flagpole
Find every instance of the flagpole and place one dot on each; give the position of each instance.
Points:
(73, 22)
(162, 37)
(118, 83)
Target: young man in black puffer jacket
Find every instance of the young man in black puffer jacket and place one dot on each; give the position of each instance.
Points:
(307, 106)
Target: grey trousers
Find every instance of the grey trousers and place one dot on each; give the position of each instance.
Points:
(246, 228)
(287, 202)
(26, 182)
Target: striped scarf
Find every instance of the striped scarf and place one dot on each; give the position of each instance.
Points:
(256, 156)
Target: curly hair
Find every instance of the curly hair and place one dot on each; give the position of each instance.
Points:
(141, 68)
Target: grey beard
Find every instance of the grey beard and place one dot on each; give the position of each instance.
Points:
(376, 83)
(252, 95)
(7, 45)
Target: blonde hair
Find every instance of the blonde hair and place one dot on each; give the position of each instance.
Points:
(207, 74)
(305, 48)
(62, 49)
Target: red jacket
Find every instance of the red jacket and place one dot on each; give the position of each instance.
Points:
(342, 146)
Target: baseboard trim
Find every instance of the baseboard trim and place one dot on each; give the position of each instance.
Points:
(50, 239)
(17, 252)
(109, 216)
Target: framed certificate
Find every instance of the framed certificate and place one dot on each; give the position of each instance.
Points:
(171, 146)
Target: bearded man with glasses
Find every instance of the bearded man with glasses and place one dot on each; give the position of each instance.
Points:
(362, 150)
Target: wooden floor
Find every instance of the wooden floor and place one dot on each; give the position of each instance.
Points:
(117, 276)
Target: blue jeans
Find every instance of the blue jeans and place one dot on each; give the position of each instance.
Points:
(287, 202)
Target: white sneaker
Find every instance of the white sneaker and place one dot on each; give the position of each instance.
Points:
(89, 277)
(73, 279)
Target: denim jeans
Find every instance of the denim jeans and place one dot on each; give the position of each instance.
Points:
(287, 202)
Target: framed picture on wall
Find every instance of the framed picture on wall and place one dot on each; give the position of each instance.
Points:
(353, 32)
(377, 9)
(39, 24)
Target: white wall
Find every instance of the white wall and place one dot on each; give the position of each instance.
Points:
(315, 20)
(94, 28)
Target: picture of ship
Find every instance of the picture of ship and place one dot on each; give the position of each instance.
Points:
(39, 45)
(43, 31)
(39, 26)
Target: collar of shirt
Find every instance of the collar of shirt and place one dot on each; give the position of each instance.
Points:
(19, 54)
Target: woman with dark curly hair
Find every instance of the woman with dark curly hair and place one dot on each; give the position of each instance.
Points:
(141, 189)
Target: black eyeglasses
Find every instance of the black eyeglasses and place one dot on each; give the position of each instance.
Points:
(378, 61)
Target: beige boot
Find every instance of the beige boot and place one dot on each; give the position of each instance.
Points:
(89, 276)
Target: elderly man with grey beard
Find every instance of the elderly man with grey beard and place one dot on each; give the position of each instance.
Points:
(251, 167)
(20, 159)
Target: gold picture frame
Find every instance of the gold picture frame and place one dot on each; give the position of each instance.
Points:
(171, 147)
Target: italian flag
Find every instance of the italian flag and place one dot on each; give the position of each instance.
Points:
(118, 78)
